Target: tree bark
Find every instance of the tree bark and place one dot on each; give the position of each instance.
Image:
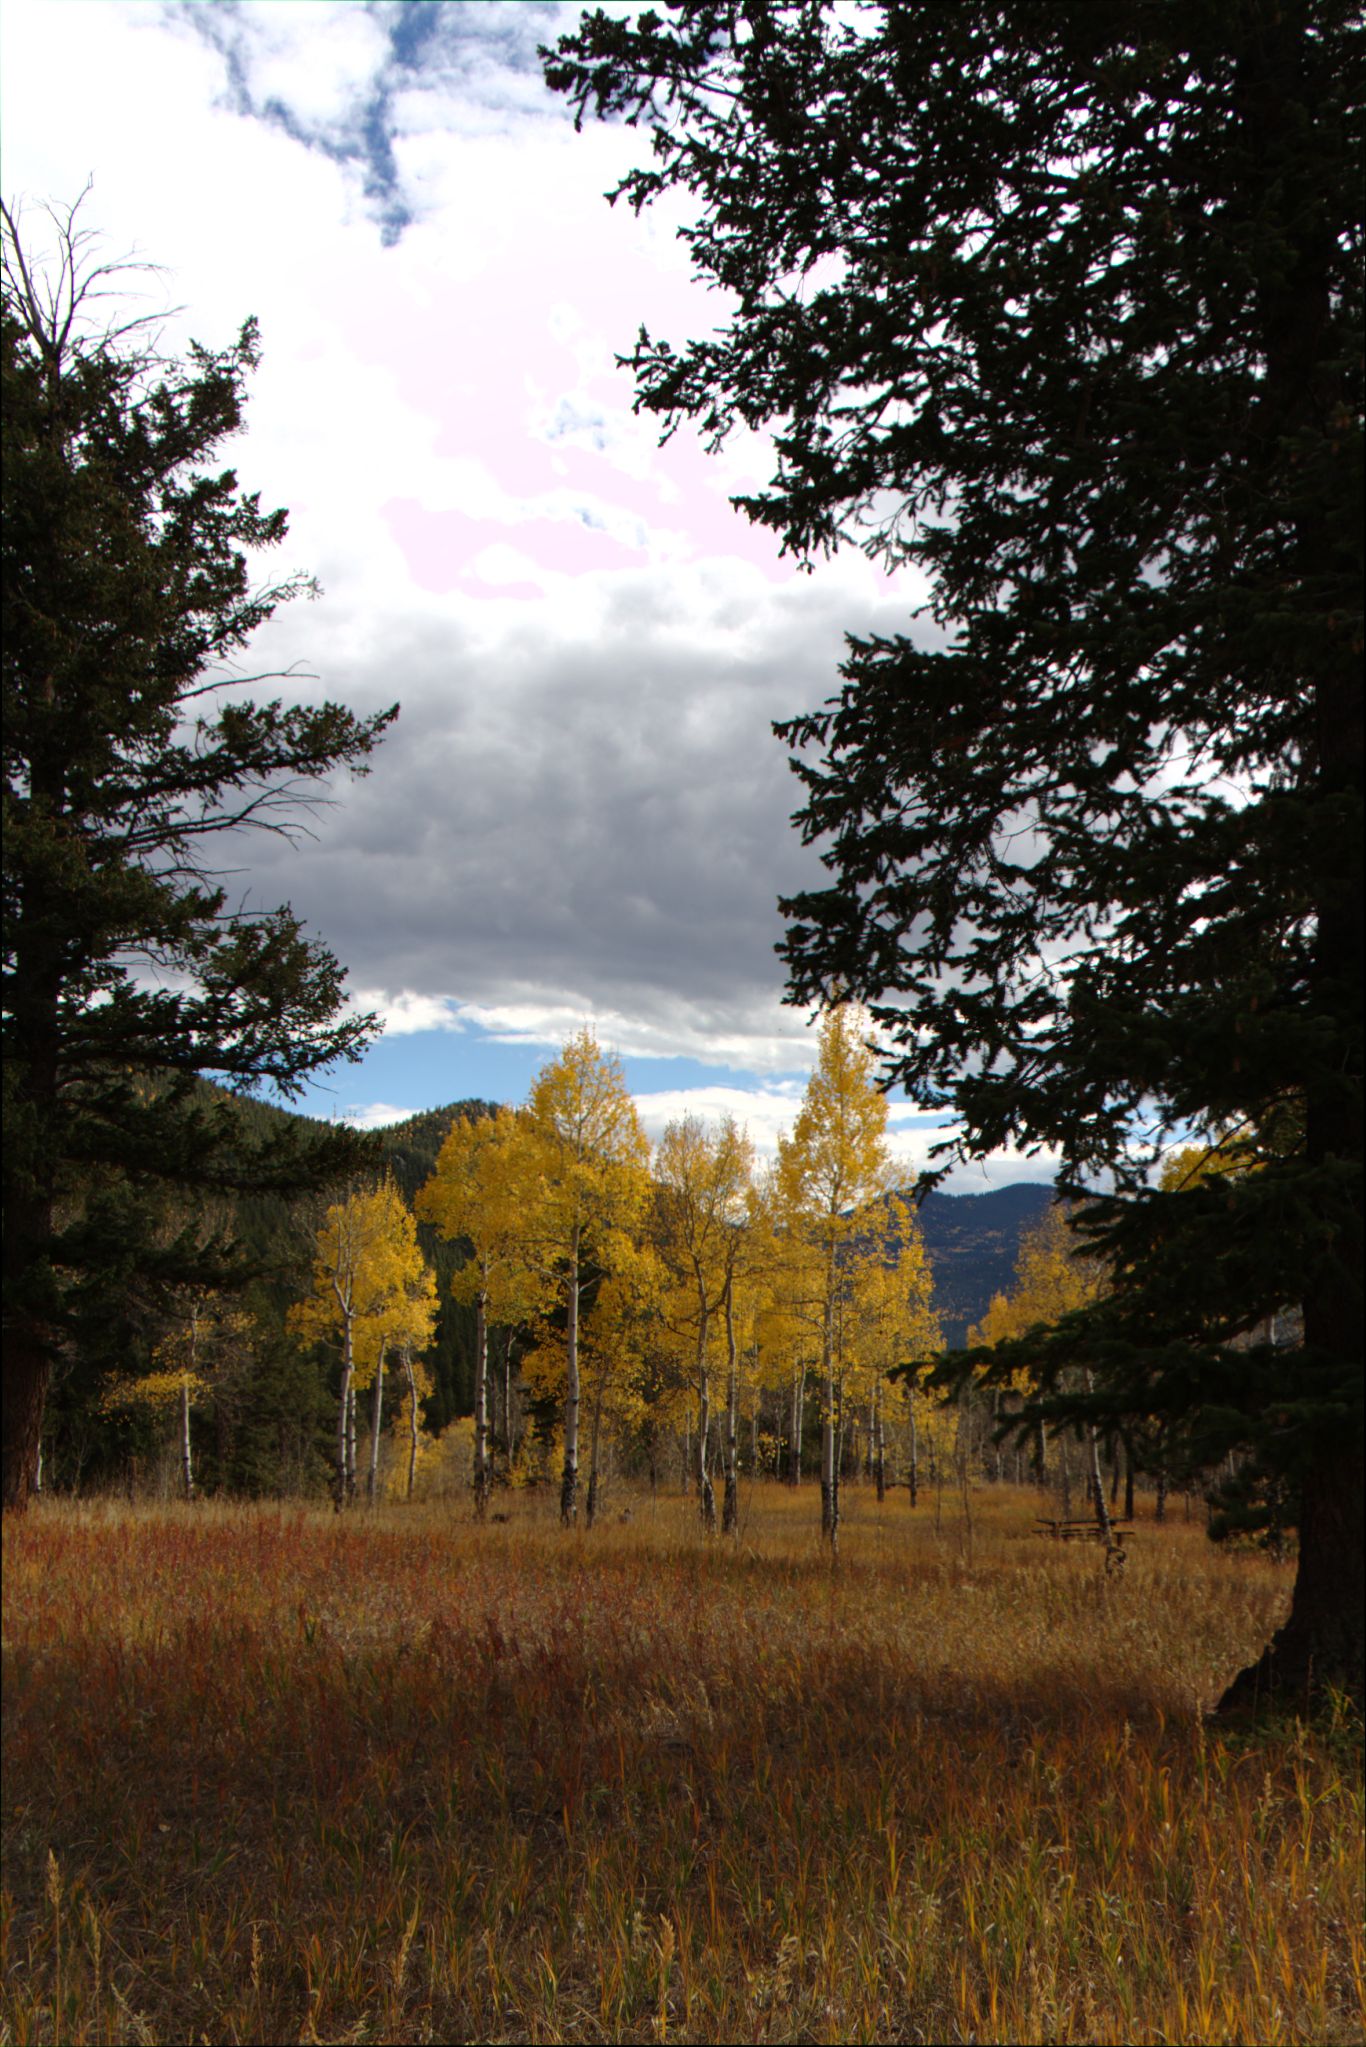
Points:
(879, 1445)
(28, 1352)
(730, 1512)
(343, 1403)
(481, 1406)
(351, 1439)
(569, 1482)
(376, 1417)
(186, 1460)
(913, 1475)
(706, 1494)
(412, 1416)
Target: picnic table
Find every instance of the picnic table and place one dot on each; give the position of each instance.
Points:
(1088, 1530)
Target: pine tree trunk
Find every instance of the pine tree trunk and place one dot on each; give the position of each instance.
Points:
(1128, 1480)
(1320, 1648)
(27, 1371)
(730, 1512)
(1040, 1456)
(186, 1461)
(376, 1417)
(481, 1406)
(913, 1474)
(1160, 1511)
(569, 1483)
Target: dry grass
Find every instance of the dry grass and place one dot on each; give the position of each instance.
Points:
(272, 1776)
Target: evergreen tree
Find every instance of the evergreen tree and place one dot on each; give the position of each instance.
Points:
(1061, 307)
(126, 594)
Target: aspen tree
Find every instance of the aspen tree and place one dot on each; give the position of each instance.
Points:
(206, 1335)
(832, 1168)
(365, 1260)
(481, 1188)
(890, 1317)
(592, 1158)
(702, 1193)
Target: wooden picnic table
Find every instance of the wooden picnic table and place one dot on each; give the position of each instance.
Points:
(1088, 1530)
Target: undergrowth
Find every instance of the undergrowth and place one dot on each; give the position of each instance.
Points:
(274, 1775)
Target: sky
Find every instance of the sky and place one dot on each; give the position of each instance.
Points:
(582, 816)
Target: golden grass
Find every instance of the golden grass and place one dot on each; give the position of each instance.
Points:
(274, 1776)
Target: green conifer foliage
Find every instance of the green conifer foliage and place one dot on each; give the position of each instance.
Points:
(1060, 306)
(127, 588)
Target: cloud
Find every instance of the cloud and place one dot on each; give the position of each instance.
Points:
(582, 814)
(353, 82)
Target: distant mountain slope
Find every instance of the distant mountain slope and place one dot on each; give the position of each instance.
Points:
(973, 1241)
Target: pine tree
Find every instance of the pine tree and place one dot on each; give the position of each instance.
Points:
(127, 593)
(1060, 306)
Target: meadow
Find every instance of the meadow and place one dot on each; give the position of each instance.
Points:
(275, 1775)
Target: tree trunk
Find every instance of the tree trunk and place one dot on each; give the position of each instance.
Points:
(343, 1403)
(27, 1375)
(376, 1417)
(481, 1406)
(730, 1512)
(829, 1468)
(1040, 1456)
(591, 1504)
(351, 1439)
(186, 1460)
(1320, 1647)
(569, 1482)
(794, 1433)
(412, 1416)
(1160, 1511)
(1128, 1480)
(1097, 1486)
(913, 1474)
(706, 1495)
(879, 1445)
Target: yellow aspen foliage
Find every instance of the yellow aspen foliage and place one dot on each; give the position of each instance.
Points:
(371, 1288)
(592, 1183)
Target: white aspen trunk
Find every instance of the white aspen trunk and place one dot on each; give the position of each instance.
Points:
(730, 1512)
(412, 1416)
(351, 1440)
(481, 1406)
(376, 1416)
(879, 1444)
(343, 1402)
(38, 1469)
(829, 1475)
(509, 1426)
(569, 1483)
(687, 1450)
(186, 1463)
(706, 1495)
(1097, 1482)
